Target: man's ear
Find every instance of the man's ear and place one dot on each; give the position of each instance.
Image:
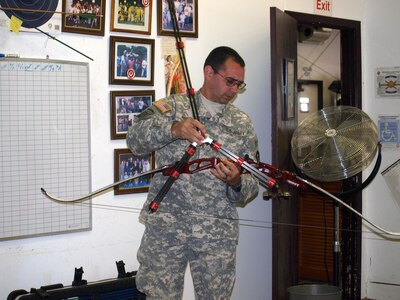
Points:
(208, 71)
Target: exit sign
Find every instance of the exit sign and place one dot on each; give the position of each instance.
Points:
(323, 7)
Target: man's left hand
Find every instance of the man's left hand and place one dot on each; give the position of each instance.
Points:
(227, 171)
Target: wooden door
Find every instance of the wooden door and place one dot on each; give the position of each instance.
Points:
(284, 211)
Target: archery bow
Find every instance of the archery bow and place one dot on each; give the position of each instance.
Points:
(261, 173)
(192, 167)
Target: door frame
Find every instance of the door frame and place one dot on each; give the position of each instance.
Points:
(350, 32)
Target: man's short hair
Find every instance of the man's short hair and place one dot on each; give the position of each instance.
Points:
(217, 57)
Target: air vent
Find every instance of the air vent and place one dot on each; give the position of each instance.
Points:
(312, 34)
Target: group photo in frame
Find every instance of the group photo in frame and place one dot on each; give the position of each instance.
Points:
(125, 106)
(127, 165)
(131, 61)
(133, 16)
(84, 17)
(186, 14)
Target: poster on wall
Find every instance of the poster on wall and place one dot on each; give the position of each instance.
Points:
(387, 82)
(173, 71)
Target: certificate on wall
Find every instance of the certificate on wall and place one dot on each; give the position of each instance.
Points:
(387, 81)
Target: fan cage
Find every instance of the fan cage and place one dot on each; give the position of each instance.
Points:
(334, 143)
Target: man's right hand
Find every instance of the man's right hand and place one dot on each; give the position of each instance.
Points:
(189, 129)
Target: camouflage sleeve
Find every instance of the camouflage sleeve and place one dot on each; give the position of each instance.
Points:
(249, 184)
(248, 191)
(151, 130)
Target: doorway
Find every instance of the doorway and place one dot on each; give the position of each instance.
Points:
(318, 60)
(310, 98)
(284, 27)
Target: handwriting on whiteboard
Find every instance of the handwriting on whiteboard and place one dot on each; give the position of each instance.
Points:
(31, 66)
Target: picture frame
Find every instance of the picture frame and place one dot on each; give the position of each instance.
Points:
(131, 61)
(187, 18)
(84, 18)
(126, 164)
(125, 105)
(135, 18)
(289, 92)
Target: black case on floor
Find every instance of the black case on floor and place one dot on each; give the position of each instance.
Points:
(121, 288)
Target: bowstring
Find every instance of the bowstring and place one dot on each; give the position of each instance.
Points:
(376, 228)
(251, 223)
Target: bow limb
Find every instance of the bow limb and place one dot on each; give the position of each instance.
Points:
(392, 233)
(101, 190)
(300, 183)
(272, 184)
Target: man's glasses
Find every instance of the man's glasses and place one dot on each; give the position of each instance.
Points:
(231, 81)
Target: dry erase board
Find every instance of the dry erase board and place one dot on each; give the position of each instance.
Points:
(44, 142)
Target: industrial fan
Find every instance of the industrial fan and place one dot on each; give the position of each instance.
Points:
(334, 143)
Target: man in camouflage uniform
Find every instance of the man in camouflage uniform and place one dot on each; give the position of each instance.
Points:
(197, 221)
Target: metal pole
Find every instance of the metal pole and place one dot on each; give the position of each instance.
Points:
(336, 248)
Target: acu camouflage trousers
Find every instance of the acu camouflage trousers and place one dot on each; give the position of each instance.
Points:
(164, 255)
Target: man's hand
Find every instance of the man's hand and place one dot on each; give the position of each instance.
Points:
(227, 171)
(189, 129)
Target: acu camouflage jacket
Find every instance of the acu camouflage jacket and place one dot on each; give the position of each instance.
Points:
(197, 204)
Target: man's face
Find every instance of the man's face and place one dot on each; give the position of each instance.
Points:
(217, 82)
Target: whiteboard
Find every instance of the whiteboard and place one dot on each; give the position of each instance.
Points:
(44, 142)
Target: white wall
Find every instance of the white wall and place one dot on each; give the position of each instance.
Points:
(381, 257)
(116, 234)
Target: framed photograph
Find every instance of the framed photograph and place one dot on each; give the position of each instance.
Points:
(125, 105)
(186, 15)
(288, 89)
(127, 165)
(131, 16)
(131, 61)
(86, 17)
